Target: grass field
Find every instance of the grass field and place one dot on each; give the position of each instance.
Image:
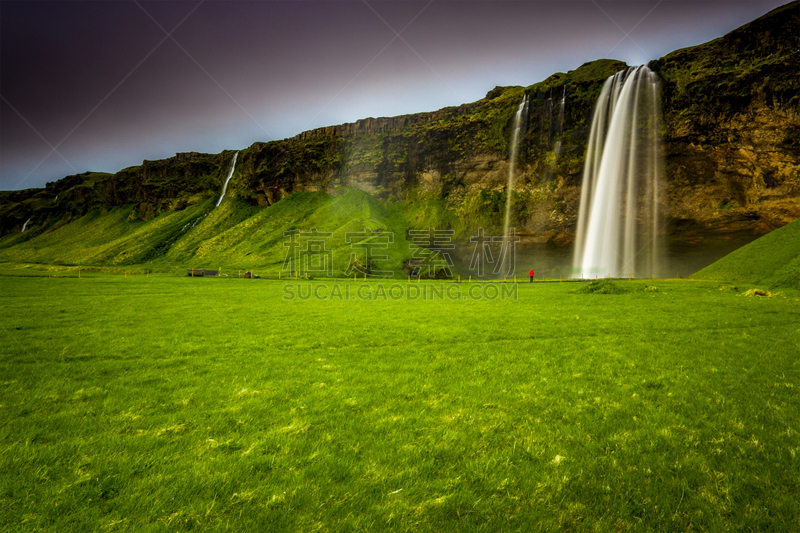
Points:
(772, 261)
(167, 403)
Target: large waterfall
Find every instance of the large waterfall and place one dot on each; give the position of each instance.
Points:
(512, 166)
(619, 222)
(230, 175)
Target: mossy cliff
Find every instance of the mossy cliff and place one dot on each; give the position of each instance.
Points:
(732, 115)
(731, 143)
(152, 187)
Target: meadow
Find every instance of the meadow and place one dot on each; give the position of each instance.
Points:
(168, 403)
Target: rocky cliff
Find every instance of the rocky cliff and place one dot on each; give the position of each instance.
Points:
(732, 115)
(731, 111)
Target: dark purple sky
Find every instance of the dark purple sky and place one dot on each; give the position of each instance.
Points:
(102, 85)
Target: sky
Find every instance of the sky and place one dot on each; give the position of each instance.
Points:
(101, 85)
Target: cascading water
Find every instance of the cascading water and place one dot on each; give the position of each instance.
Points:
(230, 174)
(619, 230)
(25, 225)
(512, 165)
(559, 130)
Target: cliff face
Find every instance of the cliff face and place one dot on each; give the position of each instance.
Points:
(731, 142)
(457, 157)
(153, 187)
(732, 114)
(731, 125)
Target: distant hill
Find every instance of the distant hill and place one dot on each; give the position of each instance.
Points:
(772, 260)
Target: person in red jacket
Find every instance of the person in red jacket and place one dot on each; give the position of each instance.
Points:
(531, 275)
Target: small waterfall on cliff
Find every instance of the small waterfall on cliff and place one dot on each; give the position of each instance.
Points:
(618, 230)
(230, 175)
(561, 105)
(512, 165)
(551, 167)
(25, 225)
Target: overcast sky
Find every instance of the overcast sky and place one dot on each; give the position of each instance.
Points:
(101, 85)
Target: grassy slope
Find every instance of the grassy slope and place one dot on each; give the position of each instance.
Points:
(259, 239)
(555, 412)
(234, 235)
(772, 260)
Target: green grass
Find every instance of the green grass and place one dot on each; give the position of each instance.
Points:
(167, 403)
(233, 236)
(772, 260)
(603, 286)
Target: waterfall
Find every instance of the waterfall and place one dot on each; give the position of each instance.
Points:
(619, 230)
(230, 175)
(25, 225)
(512, 165)
(559, 129)
(561, 105)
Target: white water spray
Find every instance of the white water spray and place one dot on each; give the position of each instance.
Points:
(619, 231)
(560, 130)
(25, 225)
(512, 165)
(230, 175)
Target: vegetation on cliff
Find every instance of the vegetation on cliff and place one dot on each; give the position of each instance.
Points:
(732, 125)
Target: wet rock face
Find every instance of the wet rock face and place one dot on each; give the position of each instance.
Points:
(751, 179)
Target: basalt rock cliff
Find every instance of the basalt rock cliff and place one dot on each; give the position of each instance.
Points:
(731, 142)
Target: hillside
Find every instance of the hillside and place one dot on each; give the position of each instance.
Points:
(772, 261)
(235, 235)
(731, 127)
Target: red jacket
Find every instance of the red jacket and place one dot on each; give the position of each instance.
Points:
(531, 272)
